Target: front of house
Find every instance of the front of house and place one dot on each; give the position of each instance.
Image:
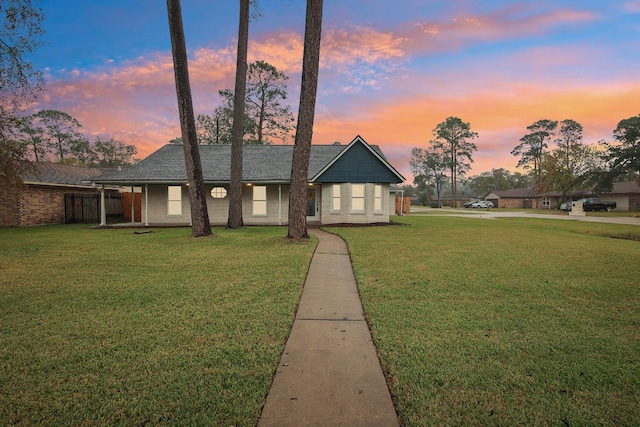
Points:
(347, 184)
(625, 194)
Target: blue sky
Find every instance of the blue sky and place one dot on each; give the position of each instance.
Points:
(390, 70)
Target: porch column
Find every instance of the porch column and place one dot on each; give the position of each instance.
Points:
(146, 205)
(133, 204)
(103, 208)
(279, 204)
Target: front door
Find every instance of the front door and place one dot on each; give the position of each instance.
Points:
(313, 205)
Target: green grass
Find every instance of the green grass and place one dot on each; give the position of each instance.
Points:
(102, 327)
(504, 322)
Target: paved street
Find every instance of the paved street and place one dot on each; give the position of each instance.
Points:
(497, 213)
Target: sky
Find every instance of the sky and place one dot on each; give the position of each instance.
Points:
(390, 71)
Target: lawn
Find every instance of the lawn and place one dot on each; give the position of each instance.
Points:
(514, 321)
(104, 327)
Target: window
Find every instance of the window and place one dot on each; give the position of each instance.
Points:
(377, 198)
(218, 192)
(357, 198)
(545, 201)
(335, 198)
(174, 200)
(259, 200)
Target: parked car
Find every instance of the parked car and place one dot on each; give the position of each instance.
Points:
(566, 206)
(482, 204)
(469, 204)
(593, 204)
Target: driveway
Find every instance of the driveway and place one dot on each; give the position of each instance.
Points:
(495, 214)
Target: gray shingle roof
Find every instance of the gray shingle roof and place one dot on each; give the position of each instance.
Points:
(515, 193)
(59, 174)
(260, 163)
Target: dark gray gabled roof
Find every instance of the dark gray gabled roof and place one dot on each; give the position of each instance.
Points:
(260, 164)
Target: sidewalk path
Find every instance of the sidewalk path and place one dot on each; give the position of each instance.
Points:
(329, 373)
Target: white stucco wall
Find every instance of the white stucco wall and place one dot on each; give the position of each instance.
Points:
(277, 206)
(345, 215)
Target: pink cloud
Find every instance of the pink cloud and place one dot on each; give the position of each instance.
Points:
(500, 119)
(465, 29)
(632, 6)
(135, 101)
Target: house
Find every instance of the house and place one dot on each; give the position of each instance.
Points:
(347, 184)
(515, 198)
(625, 194)
(52, 193)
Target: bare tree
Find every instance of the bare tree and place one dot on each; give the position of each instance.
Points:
(234, 220)
(200, 225)
(304, 129)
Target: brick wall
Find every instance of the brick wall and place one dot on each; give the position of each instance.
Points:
(9, 196)
(514, 203)
(34, 205)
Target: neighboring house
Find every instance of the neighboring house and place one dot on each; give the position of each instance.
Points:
(51, 193)
(625, 194)
(515, 198)
(347, 184)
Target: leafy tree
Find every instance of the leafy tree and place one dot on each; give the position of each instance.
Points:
(60, 134)
(306, 112)
(624, 157)
(408, 189)
(567, 168)
(112, 153)
(20, 36)
(569, 141)
(556, 176)
(200, 225)
(429, 167)
(12, 154)
(619, 161)
(496, 180)
(533, 146)
(234, 219)
(208, 129)
(265, 92)
(218, 128)
(33, 135)
(451, 138)
(265, 116)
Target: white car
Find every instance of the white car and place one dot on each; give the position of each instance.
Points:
(566, 206)
(482, 204)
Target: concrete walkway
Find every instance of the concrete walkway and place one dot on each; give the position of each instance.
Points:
(329, 373)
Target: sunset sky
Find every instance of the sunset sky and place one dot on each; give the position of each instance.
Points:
(390, 70)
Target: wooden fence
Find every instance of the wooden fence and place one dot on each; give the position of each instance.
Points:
(80, 207)
(403, 205)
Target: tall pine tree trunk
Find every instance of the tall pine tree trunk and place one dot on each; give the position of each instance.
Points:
(234, 219)
(200, 225)
(306, 113)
